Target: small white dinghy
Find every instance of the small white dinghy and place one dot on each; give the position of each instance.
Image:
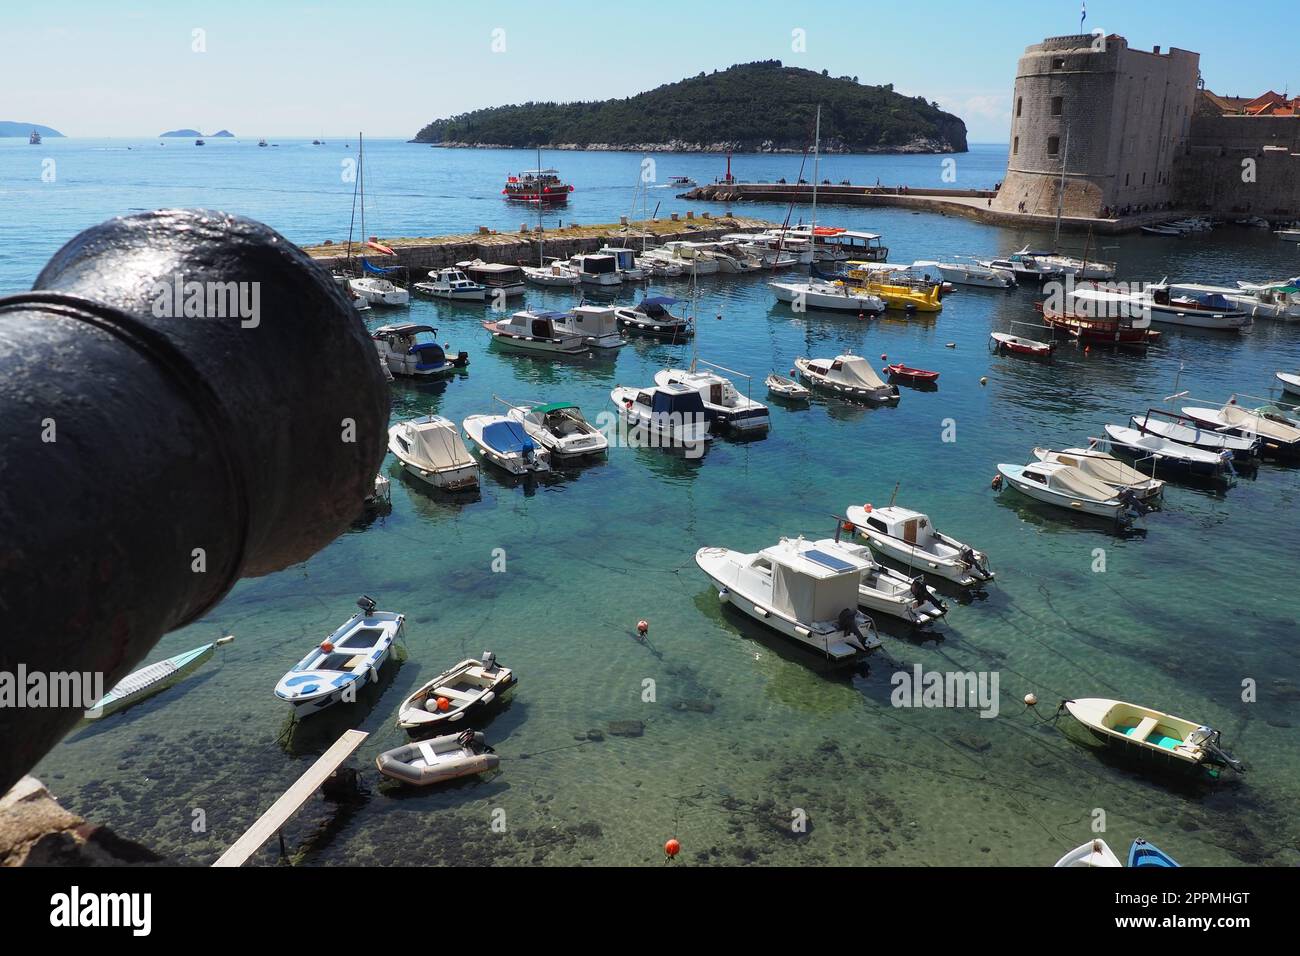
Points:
(1105, 468)
(787, 388)
(1092, 853)
(460, 692)
(153, 679)
(425, 762)
(910, 537)
(344, 662)
(506, 444)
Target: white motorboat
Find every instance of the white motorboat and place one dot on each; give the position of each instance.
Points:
(724, 406)
(456, 696)
(689, 255)
(800, 590)
(1151, 449)
(1093, 853)
(1185, 431)
(1106, 468)
(502, 281)
(344, 662)
(660, 268)
(1163, 230)
(506, 444)
(1181, 305)
(376, 290)
(787, 388)
(624, 262)
(967, 273)
(1280, 301)
(891, 592)
(651, 317)
(672, 414)
(536, 332)
(1278, 439)
(822, 294)
(1070, 265)
(910, 537)
(557, 274)
(431, 449)
(596, 269)
(425, 762)
(1290, 383)
(1069, 488)
(560, 428)
(598, 326)
(452, 284)
(411, 349)
(1023, 266)
(847, 376)
(1290, 235)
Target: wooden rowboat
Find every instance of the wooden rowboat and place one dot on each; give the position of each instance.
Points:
(1151, 734)
(787, 388)
(917, 376)
(153, 679)
(1005, 342)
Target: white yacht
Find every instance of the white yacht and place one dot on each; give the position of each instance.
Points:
(431, 449)
(967, 273)
(1264, 300)
(411, 349)
(824, 294)
(1071, 266)
(376, 290)
(536, 332)
(452, 284)
(598, 326)
(724, 406)
(911, 538)
(560, 428)
(557, 274)
(1173, 304)
(802, 590)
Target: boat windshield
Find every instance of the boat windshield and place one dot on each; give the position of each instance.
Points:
(424, 338)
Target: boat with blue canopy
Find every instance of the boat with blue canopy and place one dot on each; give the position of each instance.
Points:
(504, 442)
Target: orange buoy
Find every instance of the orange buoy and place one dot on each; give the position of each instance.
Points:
(642, 626)
(327, 647)
(848, 527)
(883, 357)
(672, 847)
(443, 703)
(996, 483)
(867, 507)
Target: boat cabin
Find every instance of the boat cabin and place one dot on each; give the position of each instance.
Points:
(677, 400)
(596, 264)
(535, 325)
(909, 526)
(624, 259)
(597, 324)
(811, 585)
(495, 276)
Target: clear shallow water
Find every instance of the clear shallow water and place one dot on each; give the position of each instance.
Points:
(744, 729)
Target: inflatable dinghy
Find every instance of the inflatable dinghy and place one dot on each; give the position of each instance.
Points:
(438, 759)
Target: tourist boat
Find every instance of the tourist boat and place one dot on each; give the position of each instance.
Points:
(673, 413)
(1092, 853)
(425, 762)
(1280, 301)
(834, 244)
(787, 388)
(153, 679)
(912, 376)
(624, 262)
(506, 444)
(968, 273)
(536, 332)
(557, 274)
(911, 538)
(1177, 305)
(679, 182)
(799, 590)
(34, 139)
(651, 317)
(1106, 468)
(847, 375)
(596, 269)
(458, 695)
(1185, 431)
(452, 284)
(820, 294)
(1170, 455)
(560, 428)
(1151, 734)
(1100, 317)
(1069, 488)
(598, 326)
(1277, 439)
(1290, 383)
(884, 590)
(1006, 342)
(376, 290)
(724, 406)
(499, 278)
(344, 662)
(1142, 853)
(895, 292)
(1071, 266)
(537, 186)
(431, 449)
(410, 349)
(1023, 267)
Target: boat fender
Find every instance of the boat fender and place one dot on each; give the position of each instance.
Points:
(996, 483)
(487, 698)
(327, 647)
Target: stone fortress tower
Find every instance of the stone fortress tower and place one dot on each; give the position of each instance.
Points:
(1111, 117)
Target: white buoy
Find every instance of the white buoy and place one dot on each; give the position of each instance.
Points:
(1031, 699)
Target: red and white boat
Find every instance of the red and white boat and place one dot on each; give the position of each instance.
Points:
(913, 376)
(1005, 342)
(1099, 316)
(538, 186)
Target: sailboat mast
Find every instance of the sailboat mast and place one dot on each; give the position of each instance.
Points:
(361, 178)
(541, 258)
(817, 143)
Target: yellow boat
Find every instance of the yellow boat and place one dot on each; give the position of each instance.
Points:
(1150, 733)
(900, 296)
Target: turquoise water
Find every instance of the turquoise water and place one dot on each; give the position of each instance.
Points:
(744, 731)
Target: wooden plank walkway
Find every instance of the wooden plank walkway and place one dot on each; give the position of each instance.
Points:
(270, 822)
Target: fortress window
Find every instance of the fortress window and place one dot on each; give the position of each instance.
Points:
(1053, 145)
(1015, 146)
(1020, 102)
(1056, 105)
(1058, 63)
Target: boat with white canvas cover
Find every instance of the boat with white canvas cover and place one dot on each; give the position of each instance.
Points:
(1093, 853)
(968, 273)
(1151, 734)
(724, 406)
(344, 662)
(425, 762)
(813, 293)
(456, 696)
(560, 428)
(886, 591)
(414, 350)
(598, 326)
(1151, 449)
(1068, 488)
(452, 284)
(910, 538)
(153, 679)
(847, 376)
(805, 593)
(431, 449)
(506, 444)
(1186, 431)
(1278, 440)
(1106, 468)
(536, 332)
(674, 414)
(376, 290)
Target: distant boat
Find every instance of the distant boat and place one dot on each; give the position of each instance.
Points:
(261, 142)
(152, 679)
(34, 139)
(199, 142)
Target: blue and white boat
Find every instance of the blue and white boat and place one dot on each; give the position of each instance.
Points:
(506, 443)
(1142, 853)
(343, 663)
(409, 349)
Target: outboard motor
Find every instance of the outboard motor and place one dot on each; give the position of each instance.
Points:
(367, 604)
(1132, 503)
(848, 623)
(489, 661)
(1210, 740)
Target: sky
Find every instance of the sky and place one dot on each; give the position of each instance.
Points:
(135, 68)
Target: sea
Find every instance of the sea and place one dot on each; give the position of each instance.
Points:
(709, 729)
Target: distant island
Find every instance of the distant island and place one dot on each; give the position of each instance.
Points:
(187, 133)
(8, 128)
(753, 107)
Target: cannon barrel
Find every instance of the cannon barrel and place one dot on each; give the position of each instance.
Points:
(185, 400)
